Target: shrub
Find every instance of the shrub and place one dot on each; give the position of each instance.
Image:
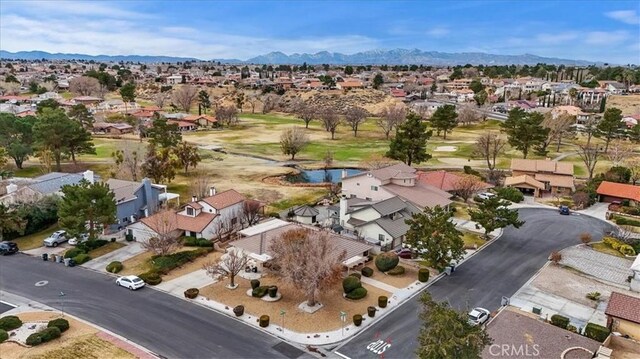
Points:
(350, 283)
(399, 270)
(151, 278)
(386, 261)
(555, 257)
(560, 321)
(357, 320)
(255, 283)
(585, 237)
(50, 334)
(273, 214)
(3, 335)
(382, 301)
(164, 264)
(59, 323)
(596, 332)
(371, 311)
(470, 171)
(91, 245)
(260, 292)
(34, 339)
(191, 293)
(128, 237)
(510, 194)
(81, 258)
(73, 252)
(367, 272)
(627, 250)
(114, 267)
(612, 242)
(356, 274)
(238, 310)
(572, 328)
(357, 293)
(10, 322)
(593, 295)
(627, 222)
(423, 275)
(264, 321)
(273, 291)
(196, 242)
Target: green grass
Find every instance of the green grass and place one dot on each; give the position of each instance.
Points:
(107, 248)
(472, 239)
(34, 240)
(28, 171)
(305, 198)
(605, 248)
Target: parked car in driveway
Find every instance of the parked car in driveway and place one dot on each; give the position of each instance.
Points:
(130, 281)
(479, 316)
(8, 248)
(79, 239)
(56, 238)
(564, 210)
(486, 195)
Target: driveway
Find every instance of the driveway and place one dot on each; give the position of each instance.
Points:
(500, 269)
(122, 254)
(49, 250)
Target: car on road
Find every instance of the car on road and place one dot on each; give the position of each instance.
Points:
(8, 248)
(486, 195)
(79, 239)
(56, 238)
(479, 316)
(130, 281)
(564, 210)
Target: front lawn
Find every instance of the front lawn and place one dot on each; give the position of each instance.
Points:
(107, 248)
(472, 240)
(34, 240)
(143, 263)
(605, 248)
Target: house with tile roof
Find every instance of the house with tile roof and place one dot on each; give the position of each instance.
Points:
(539, 177)
(391, 181)
(623, 315)
(617, 192)
(444, 180)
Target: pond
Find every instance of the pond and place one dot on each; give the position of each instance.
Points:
(333, 175)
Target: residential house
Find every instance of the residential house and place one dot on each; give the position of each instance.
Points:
(116, 128)
(623, 315)
(184, 126)
(174, 79)
(462, 95)
(446, 181)
(350, 83)
(258, 246)
(394, 180)
(380, 223)
(618, 192)
(539, 177)
(39, 187)
(201, 120)
(305, 214)
(135, 200)
(397, 93)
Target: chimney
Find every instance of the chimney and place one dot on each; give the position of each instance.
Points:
(212, 191)
(12, 187)
(344, 173)
(261, 243)
(194, 198)
(343, 209)
(88, 175)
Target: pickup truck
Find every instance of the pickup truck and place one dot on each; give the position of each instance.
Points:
(57, 237)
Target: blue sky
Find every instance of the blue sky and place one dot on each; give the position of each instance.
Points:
(588, 29)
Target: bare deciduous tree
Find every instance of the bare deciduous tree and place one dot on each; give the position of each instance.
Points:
(250, 212)
(160, 99)
(619, 150)
(231, 264)
(227, 115)
(375, 161)
(467, 185)
(199, 184)
(253, 100)
(467, 115)
(269, 103)
(307, 259)
(128, 160)
(185, 96)
(633, 164)
(306, 112)
(293, 140)
(489, 146)
(589, 154)
(330, 120)
(84, 86)
(354, 116)
(165, 225)
(559, 128)
(390, 118)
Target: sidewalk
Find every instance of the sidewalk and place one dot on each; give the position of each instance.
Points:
(177, 286)
(130, 250)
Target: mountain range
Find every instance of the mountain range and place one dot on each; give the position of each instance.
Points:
(373, 57)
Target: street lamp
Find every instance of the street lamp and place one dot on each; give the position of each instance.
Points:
(343, 319)
(61, 296)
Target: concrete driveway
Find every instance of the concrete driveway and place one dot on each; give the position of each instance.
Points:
(49, 250)
(132, 249)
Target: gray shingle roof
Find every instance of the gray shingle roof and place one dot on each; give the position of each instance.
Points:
(53, 182)
(395, 227)
(306, 211)
(388, 206)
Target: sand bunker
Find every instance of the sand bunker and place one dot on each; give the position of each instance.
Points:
(446, 149)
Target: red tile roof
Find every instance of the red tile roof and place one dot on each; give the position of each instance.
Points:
(443, 180)
(224, 199)
(621, 190)
(624, 307)
(167, 222)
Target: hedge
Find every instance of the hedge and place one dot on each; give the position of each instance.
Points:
(356, 274)
(164, 264)
(350, 283)
(59, 323)
(92, 244)
(10, 322)
(627, 222)
(386, 261)
(73, 252)
(510, 194)
(196, 242)
(560, 321)
(34, 339)
(114, 267)
(398, 270)
(50, 334)
(367, 272)
(3, 335)
(151, 278)
(596, 332)
(260, 292)
(357, 293)
(81, 258)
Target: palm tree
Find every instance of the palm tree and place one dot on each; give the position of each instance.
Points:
(10, 221)
(628, 76)
(573, 93)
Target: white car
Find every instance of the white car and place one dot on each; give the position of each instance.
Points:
(486, 195)
(130, 281)
(79, 239)
(57, 237)
(479, 316)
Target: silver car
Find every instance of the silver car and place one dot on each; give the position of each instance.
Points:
(57, 237)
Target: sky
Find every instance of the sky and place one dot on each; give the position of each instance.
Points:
(593, 30)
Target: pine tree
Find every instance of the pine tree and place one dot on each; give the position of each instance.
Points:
(410, 143)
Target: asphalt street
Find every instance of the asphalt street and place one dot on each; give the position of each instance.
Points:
(498, 270)
(166, 325)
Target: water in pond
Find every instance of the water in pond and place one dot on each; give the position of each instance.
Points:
(319, 176)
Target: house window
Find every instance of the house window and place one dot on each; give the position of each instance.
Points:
(353, 196)
(374, 188)
(234, 221)
(189, 211)
(125, 219)
(192, 234)
(381, 237)
(369, 199)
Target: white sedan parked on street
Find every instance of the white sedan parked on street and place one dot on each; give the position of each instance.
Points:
(479, 316)
(130, 281)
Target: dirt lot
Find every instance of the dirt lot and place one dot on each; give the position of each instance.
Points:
(79, 342)
(325, 319)
(629, 104)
